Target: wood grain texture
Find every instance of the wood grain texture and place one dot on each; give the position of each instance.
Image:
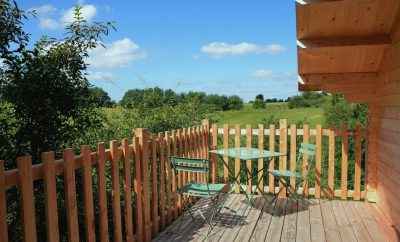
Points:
(90, 233)
(128, 216)
(283, 151)
(331, 164)
(318, 161)
(249, 138)
(50, 190)
(226, 146)
(102, 193)
(237, 160)
(261, 160)
(271, 179)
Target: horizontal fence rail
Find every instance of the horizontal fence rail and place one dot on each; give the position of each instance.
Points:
(128, 191)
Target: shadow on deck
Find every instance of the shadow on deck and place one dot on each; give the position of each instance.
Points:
(284, 220)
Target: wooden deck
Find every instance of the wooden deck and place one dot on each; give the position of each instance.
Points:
(285, 220)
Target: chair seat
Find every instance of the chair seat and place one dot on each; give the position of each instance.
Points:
(285, 173)
(201, 190)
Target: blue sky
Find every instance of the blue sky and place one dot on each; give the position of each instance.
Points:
(224, 47)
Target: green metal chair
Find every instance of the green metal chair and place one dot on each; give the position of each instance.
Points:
(213, 196)
(285, 176)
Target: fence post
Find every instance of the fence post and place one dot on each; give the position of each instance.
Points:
(162, 180)
(226, 146)
(3, 205)
(70, 196)
(116, 196)
(318, 161)
(293, 154)
(143, 135)
(154, 185)
(357, 165)
(237, 160)
(101, 172)
(49, 178)
(88, 194)
(261, 160)
(283, 151)
(138, 189)
(344, 165)
(271, 181)
(249, 135)
(214, 143)
(126, 151)
(169, 175)
(305, 168)
(331, 164)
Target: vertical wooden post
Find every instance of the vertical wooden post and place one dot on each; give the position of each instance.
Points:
(249, 134)
(237, 159)
(344, 165)
(226, 147)
(169, 178)
(261, 160)
(127, 190)
(103, 225)
(116, 196)
(271, 181)
(3, 205)
(206, 130)
(49, 177)
(318, 161)
(162, 180)
(357, 166)
(331, 164)
(139, 190)
(143, 136)
(24, 164)
(186, 153)
(283, 151)
(305, 169)
(177, 149)
(70, 196)
(214, 143)
(173, 179)
(293, 154)
(88, 194)
(154, 186)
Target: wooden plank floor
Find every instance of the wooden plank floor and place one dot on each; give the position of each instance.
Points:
(285, 220)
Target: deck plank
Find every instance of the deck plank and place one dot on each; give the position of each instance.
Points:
(290, 222)
(275, 230)
(369, 221)
(263, 223)
(359, 228)
(247, 229)
(304, 228)
(345, 229)
(316, 222)
(330, 226)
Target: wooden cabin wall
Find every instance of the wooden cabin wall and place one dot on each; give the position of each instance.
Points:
(384, 133)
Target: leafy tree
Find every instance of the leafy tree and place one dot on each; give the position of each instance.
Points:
(100, 97)
(235, 103)
(307, 99)
(259, 102)
(47, 87)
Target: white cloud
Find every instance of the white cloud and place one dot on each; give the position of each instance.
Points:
(44, 9)
(101, 76)
(117, 54)
(48, 23)
(88, 11)
(219, 49)
(262, 74)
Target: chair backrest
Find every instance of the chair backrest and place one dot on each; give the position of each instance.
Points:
(307, 149)
(189, 164)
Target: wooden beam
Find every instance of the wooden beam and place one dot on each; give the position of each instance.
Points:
(341, 59)
(381, 39)
(318, 79)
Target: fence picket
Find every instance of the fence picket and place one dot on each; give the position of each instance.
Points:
(168, 177)
(331, 164)
(305, 169)
(214, 143)
(24, 165)
(154, 182)
(271, 180)
(3, 205)
(261, 160)
(357, 165)
(116, 196)
(162, 181)
(293, 154)
(318, 161)
(249, 138)
(226, 146)
(70, 196)
(139, 190)
(126, 151)
(101, 173)
(175, 198)
(88, 194)
(283, 151)
(344, 165)
(49, 178)
(237, 160)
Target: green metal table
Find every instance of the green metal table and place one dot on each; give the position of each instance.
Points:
(245, 154)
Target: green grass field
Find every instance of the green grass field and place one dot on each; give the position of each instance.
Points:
(273, 111)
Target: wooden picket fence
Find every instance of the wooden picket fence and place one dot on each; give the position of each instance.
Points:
(143, 187)
(286, 139)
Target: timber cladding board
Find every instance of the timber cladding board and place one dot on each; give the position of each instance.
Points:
(341, 59)
(345, 18)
